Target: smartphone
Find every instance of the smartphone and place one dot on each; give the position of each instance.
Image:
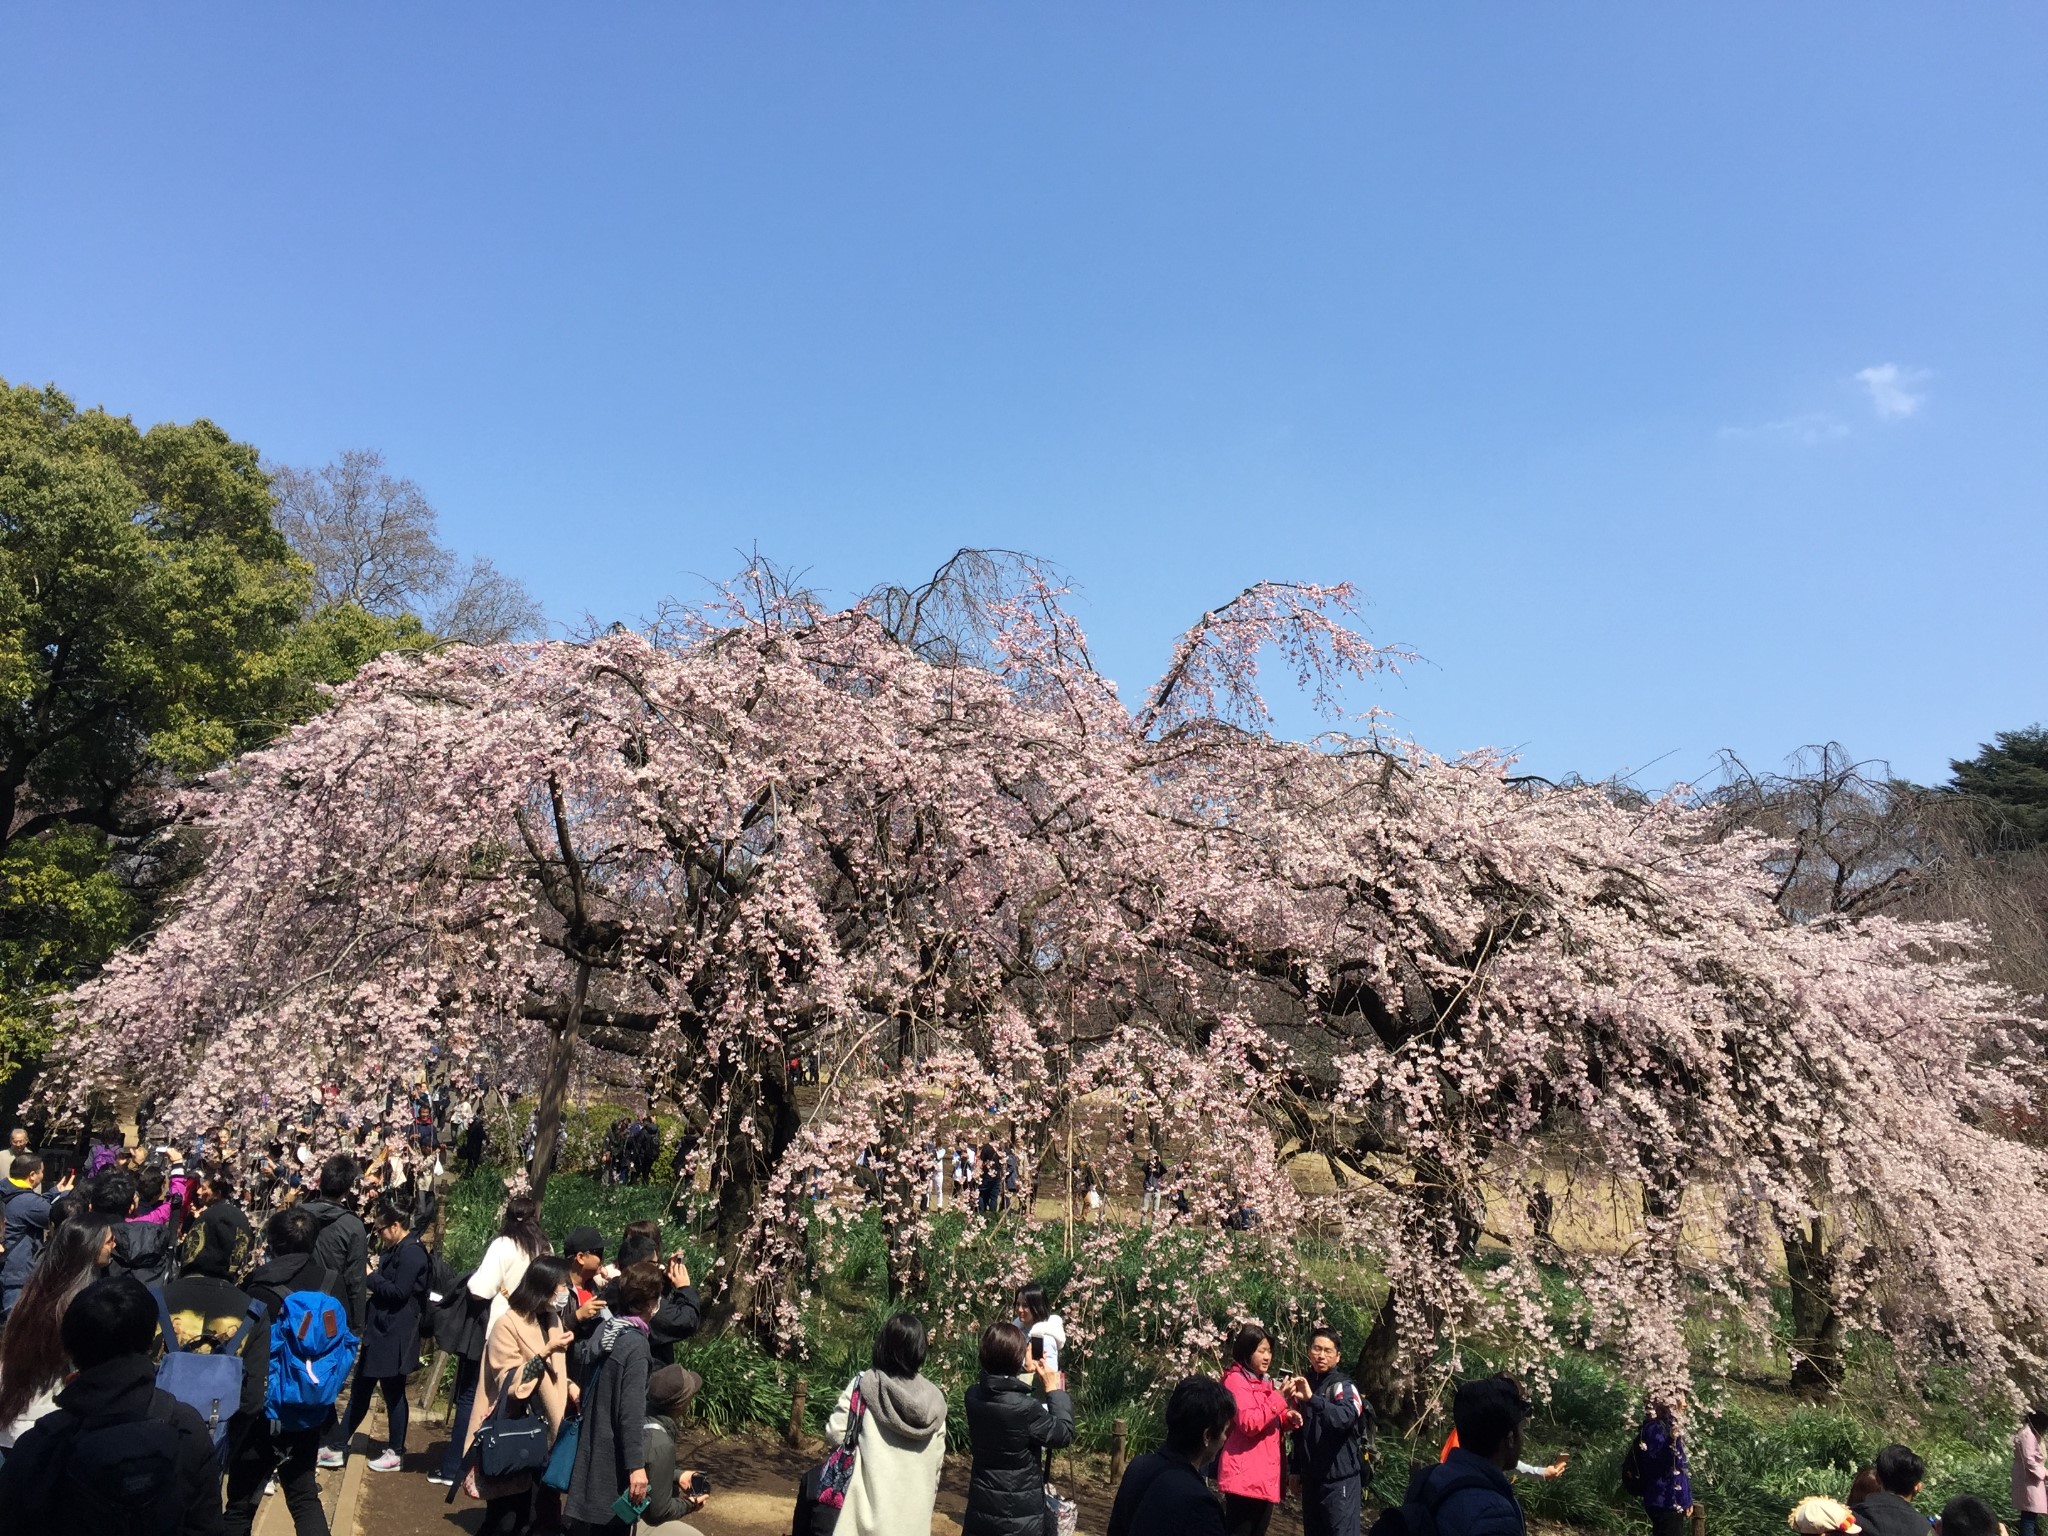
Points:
(700, 1485)
(1038, 1349)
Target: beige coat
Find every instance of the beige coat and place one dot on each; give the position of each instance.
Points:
(513, 1341)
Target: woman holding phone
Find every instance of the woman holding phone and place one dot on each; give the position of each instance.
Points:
(1249, 1472)
(610, 1476)
(523, 1363)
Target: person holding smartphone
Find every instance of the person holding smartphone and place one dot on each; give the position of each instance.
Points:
(672, 1493)
(1010, 1430)
(523, 1359)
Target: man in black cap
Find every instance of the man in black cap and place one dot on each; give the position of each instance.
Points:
(1468, 1493)
(584, 1248)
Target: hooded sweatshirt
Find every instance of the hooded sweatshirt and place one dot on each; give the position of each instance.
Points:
(1054, 1332)
(901, 1449)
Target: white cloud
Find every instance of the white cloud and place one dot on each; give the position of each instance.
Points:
(1807, 430)
(1895, 390)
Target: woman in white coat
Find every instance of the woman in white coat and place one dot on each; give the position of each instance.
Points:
(497, 1275)
(519, 1242)
(902, 1442)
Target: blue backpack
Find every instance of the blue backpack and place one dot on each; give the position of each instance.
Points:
(312, 1352)
(210, 1383)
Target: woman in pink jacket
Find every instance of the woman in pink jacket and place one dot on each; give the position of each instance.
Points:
(2030, 1473)
(1249, 1469)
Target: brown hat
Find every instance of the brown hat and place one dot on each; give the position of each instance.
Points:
(670, 1389)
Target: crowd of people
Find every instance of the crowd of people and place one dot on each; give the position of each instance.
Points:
(126, 1299)
(125, 1295)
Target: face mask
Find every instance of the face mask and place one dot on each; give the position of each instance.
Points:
(562, 1298)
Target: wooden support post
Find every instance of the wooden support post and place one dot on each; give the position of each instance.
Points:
(431, 1387)
(1119, 1432)
(796, 1412)
(1699, 1521)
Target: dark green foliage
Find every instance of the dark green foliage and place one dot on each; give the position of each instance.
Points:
(2008, 778)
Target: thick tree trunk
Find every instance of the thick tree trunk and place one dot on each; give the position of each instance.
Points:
(1383, 1376)
(1810, 1261)
(740, 1182)
(554, 1092)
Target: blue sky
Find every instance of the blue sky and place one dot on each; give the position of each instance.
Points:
(1671, 379)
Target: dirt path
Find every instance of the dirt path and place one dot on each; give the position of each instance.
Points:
(755, 1477)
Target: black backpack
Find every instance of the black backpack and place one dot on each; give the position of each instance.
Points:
(437, 1284)
(1633, 1481)
(1415, 1515)
(1368, 1442)
(122, 1475)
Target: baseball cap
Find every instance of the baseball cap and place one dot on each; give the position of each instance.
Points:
(584, 1240)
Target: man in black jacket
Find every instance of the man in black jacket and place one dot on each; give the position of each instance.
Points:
(1011, 1429)
(1890, 1511)
(1163, 1492)
(1468, 1493)
(117, 1455)
(24, 1227)
(1326, 1455)
(143, 1250)
(257, 1448)
(218, 1242)
(343, 1247)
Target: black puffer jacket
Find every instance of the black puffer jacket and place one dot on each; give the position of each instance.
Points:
(1010, 1431)
(144, 1250)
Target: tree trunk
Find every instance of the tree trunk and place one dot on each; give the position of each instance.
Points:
(739, 1182)
(554, 1093)
(1810, 1261)
(1377, 1369)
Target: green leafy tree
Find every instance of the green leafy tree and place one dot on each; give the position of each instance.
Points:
(148, 616)
(2008, 778)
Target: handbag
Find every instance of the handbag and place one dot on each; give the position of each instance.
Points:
(562, 1459)
(836, 1476)
(505, 1446)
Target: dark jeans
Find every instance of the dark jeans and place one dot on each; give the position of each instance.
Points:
(466, 1375)
(1245, 1517)
(260, 1448)
(1666, 1522)
(2030, 1523)
(393, 1388)
(538, 1510)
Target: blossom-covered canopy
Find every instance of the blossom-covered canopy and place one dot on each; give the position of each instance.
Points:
(970, 876)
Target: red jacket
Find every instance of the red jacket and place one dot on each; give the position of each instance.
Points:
(1250, 1465)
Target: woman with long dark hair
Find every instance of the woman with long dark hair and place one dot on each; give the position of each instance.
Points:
(497, 1275)
(32, 1359)
(522, 1364)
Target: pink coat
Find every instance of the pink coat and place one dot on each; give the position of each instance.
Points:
(1250, 1465)
(2029, 1473)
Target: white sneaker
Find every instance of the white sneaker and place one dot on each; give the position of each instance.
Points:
(388, 1462)
(330, 1459)
(439, 1481)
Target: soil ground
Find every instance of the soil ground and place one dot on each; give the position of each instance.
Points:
(755, 1478)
